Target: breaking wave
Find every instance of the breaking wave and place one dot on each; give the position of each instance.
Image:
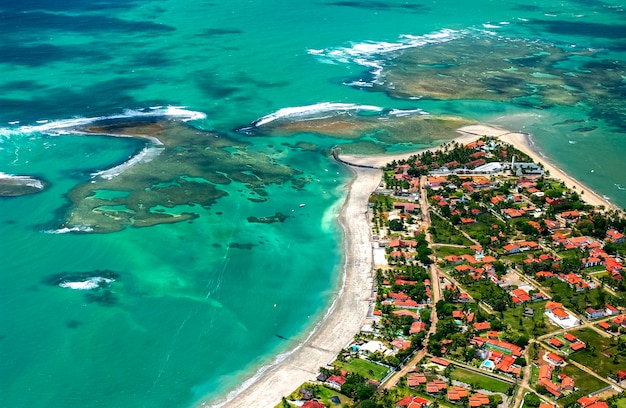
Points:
(313, 111)
(66, 126)
(368, 53)
(88, 284)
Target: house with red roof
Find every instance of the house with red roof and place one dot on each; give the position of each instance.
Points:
(417, 327)
(440, 361)
(555, 359)
(335, 382)
(478, 400)
(611, 310)
(416, 379)
(554, 342)
(615, 236)
(591, 313)
(592, 402)
(577, 346)
(482, 326)
(313, 404)
(436, 386)
(570, 337)
(511, 249)
(456, 392)
(519, 296)
(605, 325)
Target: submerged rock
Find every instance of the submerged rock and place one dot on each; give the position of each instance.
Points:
(278, 217)
(15, 186)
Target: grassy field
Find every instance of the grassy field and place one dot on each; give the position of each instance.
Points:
(621, 403)
(445, 233)
(363, 367)
(586, 383)
(321, 393)
(534, 326)
(482, 227)
(443, 251)
(600, 359)
(479, 381)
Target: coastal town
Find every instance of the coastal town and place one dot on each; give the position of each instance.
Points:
(494, 284)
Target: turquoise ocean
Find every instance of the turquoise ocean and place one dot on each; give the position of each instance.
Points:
(176, 314)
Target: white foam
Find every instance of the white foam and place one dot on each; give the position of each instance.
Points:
(407, 112)
(65, 230)
(89, 284)
(65, 126)
(146, 155)
(26, 180)
(368, 53)
(490, 26)
(312, 110)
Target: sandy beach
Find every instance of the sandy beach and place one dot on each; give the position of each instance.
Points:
(522, 142)
(348, 312)
(345, 317)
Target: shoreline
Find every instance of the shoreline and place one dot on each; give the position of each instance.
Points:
(348, 311)
(524, 143)
(343, 319)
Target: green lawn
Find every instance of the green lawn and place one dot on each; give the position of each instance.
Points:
(479, 381)
(443, 251)
(321, 393)
(600, 359)
(443, 232)
(534, 326)
(363, 367)
(586, 383)
(621, 403)
(482, 227)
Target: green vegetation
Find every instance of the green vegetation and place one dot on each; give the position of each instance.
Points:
(479, 381)
(585, 384)
(483, 227)
(530, 326)
(443, 232)
(605, 355)
(443, 251)
(572, 299)
(362, 367)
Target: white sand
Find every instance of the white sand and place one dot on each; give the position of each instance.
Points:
(343, 320)
(522, 143)
(348, 313)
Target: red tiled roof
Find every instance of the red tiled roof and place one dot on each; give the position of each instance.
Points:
(482, 326)
(440, 361)
(555, 358)
(313, 404)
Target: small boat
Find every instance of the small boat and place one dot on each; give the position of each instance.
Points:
(302, 205)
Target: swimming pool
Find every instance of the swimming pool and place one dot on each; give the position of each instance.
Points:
(488, 364)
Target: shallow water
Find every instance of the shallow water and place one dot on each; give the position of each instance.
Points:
(196, 306)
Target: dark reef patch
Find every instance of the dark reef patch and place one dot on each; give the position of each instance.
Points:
(610, 31)
(237, 245)
(73, 324)
(278, 217)
(179, 167)
(380, 6)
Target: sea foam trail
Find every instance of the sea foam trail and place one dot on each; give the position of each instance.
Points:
(367, 53)
(306, 112)
(66, 126)
(27, 180)
(146, 155)
(88, 284)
